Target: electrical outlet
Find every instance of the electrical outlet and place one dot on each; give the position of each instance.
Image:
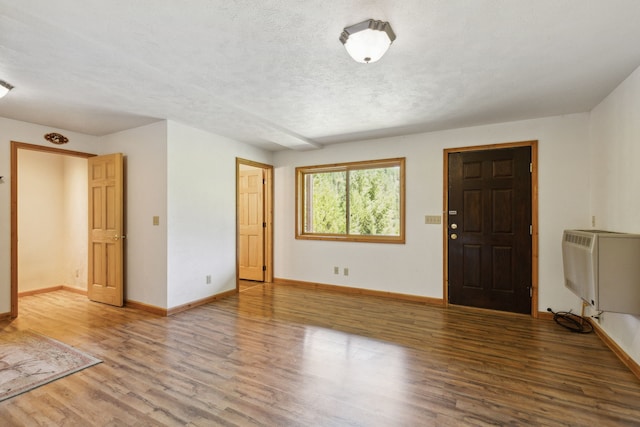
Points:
(208, 279)
(593, 220)
(336, 270)
(346, 271)
(156, 220)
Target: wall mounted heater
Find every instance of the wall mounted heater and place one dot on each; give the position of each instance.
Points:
(603, 268)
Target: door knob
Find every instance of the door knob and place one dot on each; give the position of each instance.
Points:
(454, 236)
(454, 226)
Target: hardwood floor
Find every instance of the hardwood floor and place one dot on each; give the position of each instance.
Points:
(280, 355)
(247, 284)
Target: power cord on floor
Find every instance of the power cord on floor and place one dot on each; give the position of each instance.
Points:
(571, 321)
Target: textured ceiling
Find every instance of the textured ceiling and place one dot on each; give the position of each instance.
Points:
(273, 73)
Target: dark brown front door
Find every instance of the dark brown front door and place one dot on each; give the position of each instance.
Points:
(489, 219)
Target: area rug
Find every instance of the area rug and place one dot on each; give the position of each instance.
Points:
(29, 360)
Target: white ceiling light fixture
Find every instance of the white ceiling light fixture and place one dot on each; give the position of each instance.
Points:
(4, 88)
(367, 41)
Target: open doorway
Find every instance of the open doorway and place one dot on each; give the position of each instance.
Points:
(49, 214)
(254, 223)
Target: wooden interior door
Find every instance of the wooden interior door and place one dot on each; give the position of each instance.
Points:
(489, 229)
(106, 185)
(251, 224)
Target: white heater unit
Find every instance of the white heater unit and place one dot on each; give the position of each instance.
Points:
(603, 268)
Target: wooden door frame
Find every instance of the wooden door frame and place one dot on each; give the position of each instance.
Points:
(268, 218)
(15, 146)
(534, 214)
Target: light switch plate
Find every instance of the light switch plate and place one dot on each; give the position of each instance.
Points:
(433, 219)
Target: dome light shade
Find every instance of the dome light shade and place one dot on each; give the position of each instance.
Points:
(4, 88)
(367, 41)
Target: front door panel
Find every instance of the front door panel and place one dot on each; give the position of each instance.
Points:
(489, 219)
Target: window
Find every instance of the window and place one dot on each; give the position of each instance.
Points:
(361, 201)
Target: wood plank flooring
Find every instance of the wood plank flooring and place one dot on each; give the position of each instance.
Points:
(247, 284)
(286, 356)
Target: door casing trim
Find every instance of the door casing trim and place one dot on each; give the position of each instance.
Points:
(15, 146)
(534, 214)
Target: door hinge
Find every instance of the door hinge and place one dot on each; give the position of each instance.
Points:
(264, 181)
(530, 292)
(531, 230)
(264, 268)
(264, 225)
(530, 167)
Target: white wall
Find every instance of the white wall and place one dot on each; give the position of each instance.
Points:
(202, 212)
(41, 252)
(186, 177)
(13, 130)
(615, 182)
(145, 159)
(75, 221)
(52, 221)
(416, 267)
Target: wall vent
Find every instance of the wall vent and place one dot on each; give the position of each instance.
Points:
(578, 239)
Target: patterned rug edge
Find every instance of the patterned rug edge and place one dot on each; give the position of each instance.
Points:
(85, 361)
